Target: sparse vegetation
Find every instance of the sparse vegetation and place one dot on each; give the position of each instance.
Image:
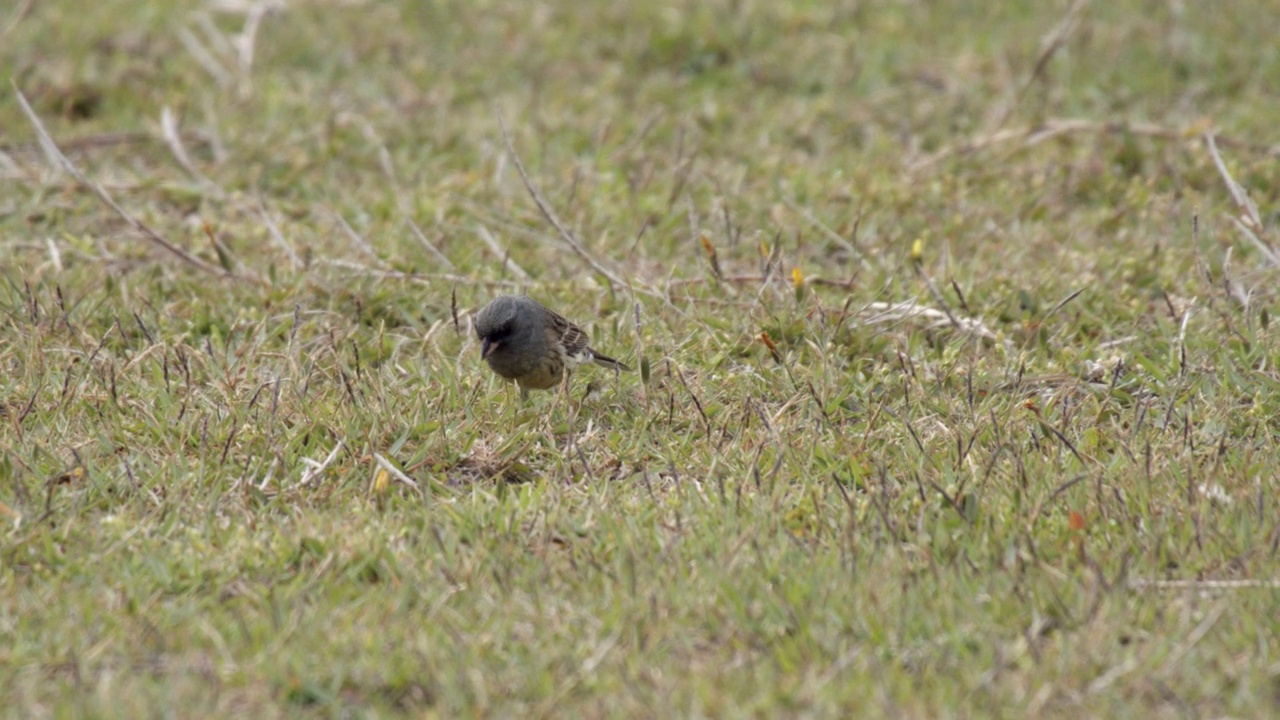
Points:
(957, 388)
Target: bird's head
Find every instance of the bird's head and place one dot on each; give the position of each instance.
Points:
(497, 323)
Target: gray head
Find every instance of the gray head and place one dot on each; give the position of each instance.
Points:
(509, 327)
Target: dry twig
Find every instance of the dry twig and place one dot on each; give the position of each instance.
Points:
(545, 208)
(1058, 127)
(1249, 223)
(61, 162)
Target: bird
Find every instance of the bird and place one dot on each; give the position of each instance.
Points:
(536, 348)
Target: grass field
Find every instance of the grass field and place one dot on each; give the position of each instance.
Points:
(957, 389)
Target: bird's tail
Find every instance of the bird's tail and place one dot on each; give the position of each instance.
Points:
(607, 362)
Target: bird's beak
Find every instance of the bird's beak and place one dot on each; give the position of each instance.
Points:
(486, 347)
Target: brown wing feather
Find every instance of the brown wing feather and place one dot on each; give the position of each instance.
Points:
(570, 336)
(576, 344)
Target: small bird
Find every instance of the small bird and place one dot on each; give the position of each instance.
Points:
(524, 342)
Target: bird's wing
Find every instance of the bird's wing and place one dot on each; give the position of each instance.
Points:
(570, 336)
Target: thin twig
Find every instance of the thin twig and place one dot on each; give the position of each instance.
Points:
(757, 279)
(834, 236)
(1250, 221)
(937, 296)
(416, 278)
(274, 231)
(545, 208)
(100, 140)
(1057, 127)
(65, 164)
(1261, 584)
(315, 469)
(173, 138)
(356, 238)
(204, 57)
(1182, 336)
(246, 41)
(394, 471)
(1050, 46)
(1196, 636)
(17, 17)
(881, 312)
(430, 246)
(503, 255)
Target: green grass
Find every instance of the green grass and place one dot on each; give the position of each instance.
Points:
(1053, 495)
